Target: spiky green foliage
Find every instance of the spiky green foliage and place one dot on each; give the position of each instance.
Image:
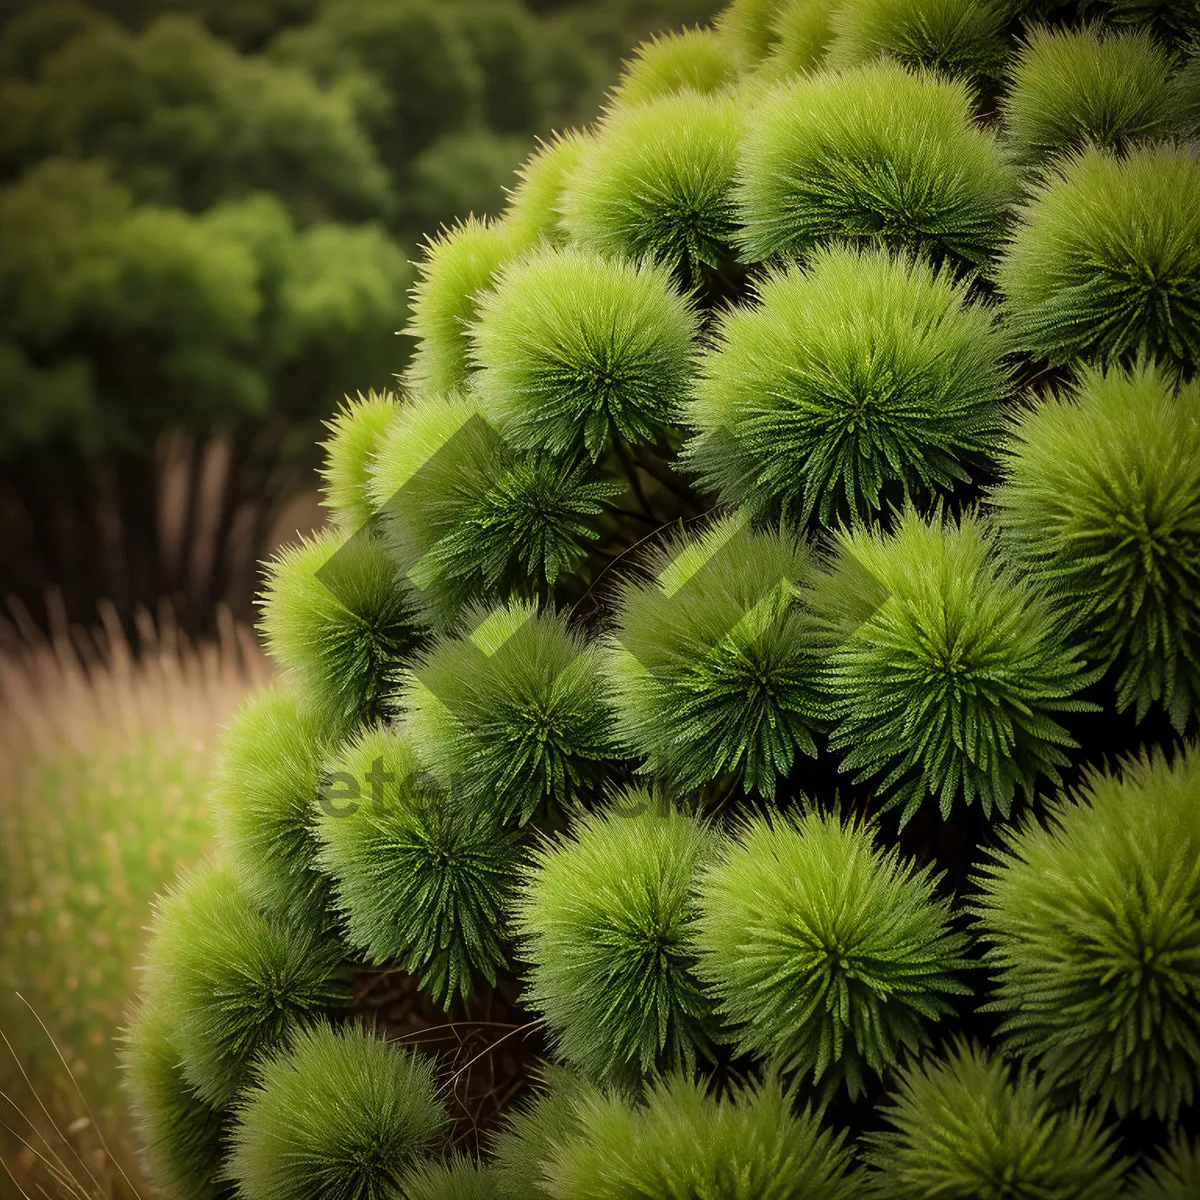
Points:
(949, 668)
(1187, 93)
(231, 981)
(697, 60)
(748, 28)
(1071, 87)
(858, 379)
(532, 210)
(465, 518)
(1094, 919)
(511, 715)
(1174, 1176)
(714, 667)
(341, 1115)
(458, 265)
(338, 621)
(420, 879)
(182, 1138)
(532, 1131)
(575, 350)
(264, 795)
(458, 1179)
(684, 1142)
(1101, 499)
(803, 30)
(877, 153)
(606, 917)
(354, 432)
(1104, 262)
(658, 183)
(965, 38)
(1172, 20)
(974, 1128)
(828, 955)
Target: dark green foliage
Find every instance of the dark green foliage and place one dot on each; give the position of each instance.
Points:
(657, 183)
(974, 1128)
(264, 794)
(1094, 920)
(466, 518)
(1187, 93)
(576, 351)
(683, 1143)
(606, 920)
(878, 153)
(419, 878)
(1104, 262)
(336, 618)
(826, 954)
(713, 666)
(1171, 20)
(512, 715)
(354, 433)
(182, 1137)
(1072, 87)
(1101, 499)
(698, 60)
(1175, 1176)
(230, 981)
(358, 1112)
(957, 37)
(949, 669)
(457, 266)
(858, 378)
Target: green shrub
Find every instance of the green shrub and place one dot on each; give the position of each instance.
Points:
(1071, 88)
(858, 379)
(1101, 497)
(1094, 919)
(360, 1109)
(606, 919)
(876, 154)
(696, 60)
(972, 1126)
(355, 430)
(1104, 262)
(1174, 1176)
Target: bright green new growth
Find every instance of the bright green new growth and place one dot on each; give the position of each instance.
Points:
(683, 1142)
(466, 519)
(354, 432)
(878, 154)
(658, 183)
(696, 60)
(1104, 262)
(340, 1116)
(1174, 1176)
(973, 1128)
(230, 981)
(532, 210)
(857, 380)
(606, 919)
(949, 668)
(182, 1138)
(459, 264)
(1101, 499)
(419, 879)
(748, 27)
(576, 350)
(264, 795)
(827, 954)
(512, 716)
(1072, 87)
(713, 667)
(458, 1179)
(337, 620)
(803, 29)
(963, 38)
(1094, 921)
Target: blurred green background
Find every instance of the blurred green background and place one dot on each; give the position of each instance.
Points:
(208, 212)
